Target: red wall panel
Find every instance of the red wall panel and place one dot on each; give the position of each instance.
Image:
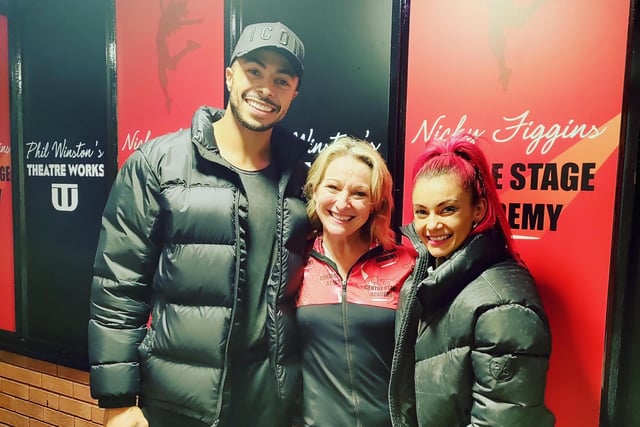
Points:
(7, 289)
(169, 61)
(541, 83)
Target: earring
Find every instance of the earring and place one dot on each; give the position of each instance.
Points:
(474, 225)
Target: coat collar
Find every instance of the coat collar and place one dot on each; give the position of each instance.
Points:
(442, 284)
(286, 147)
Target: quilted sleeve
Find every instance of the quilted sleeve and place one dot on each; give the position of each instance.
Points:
(125, 261)
(510, 360)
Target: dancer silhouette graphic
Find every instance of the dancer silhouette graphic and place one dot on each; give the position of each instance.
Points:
(505, 14)
(172, 17)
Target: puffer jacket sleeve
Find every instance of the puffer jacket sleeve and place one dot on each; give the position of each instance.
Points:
(510, 362)
(125, 261)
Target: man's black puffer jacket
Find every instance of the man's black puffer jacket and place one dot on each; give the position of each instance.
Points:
(472, 341)
(173, 246)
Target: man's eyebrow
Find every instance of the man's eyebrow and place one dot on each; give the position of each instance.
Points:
(288, 70)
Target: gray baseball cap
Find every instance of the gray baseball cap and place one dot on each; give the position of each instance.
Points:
(271, 34)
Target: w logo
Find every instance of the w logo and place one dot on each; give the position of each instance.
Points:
(64, 197)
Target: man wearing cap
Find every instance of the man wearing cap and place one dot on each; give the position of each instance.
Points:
(200, 257)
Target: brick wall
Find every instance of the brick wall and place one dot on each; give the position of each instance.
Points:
(34, 393)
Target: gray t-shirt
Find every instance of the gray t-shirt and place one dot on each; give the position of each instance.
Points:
(251, 374)
(262, 192)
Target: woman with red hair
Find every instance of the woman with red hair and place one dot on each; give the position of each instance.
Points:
(472, 338)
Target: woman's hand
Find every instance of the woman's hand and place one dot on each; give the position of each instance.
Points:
(131, 416)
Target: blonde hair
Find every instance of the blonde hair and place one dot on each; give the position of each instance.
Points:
(378, 227)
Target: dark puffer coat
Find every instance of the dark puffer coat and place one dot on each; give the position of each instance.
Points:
(173, 246)
(472, 341)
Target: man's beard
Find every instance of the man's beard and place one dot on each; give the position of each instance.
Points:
(235, 110)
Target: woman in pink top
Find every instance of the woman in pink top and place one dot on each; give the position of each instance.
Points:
(347, 302)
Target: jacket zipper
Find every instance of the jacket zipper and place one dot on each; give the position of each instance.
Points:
(282, 185)
(419, 271)
(347, 344)
(345, 325)
(345, 328)
(225, 369)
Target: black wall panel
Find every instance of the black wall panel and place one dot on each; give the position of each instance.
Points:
(346, 86)
(63, 154)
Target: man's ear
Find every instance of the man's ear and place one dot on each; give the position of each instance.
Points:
(228, 77)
